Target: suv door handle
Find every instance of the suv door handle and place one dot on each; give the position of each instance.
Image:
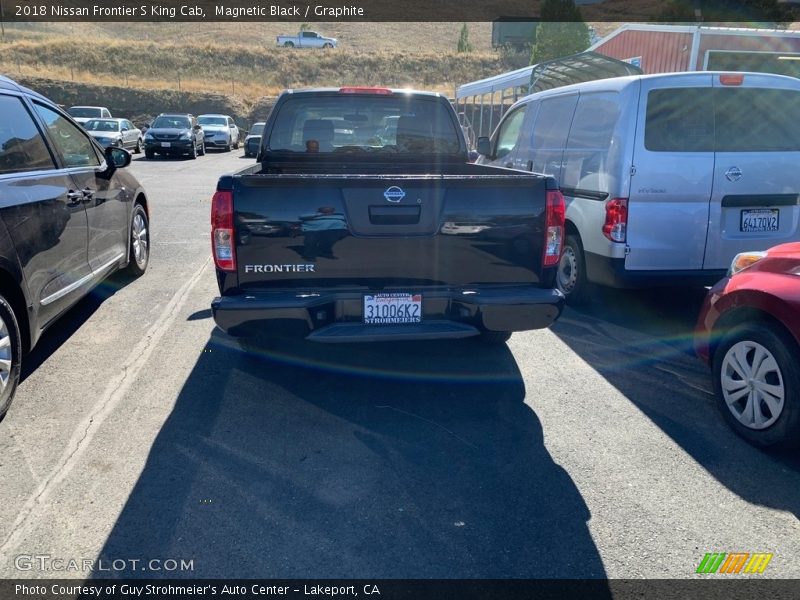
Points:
(74, 197)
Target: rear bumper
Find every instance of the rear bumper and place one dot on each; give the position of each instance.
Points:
(175, 147)
(337, 316)
(220, 142)
(612, 272)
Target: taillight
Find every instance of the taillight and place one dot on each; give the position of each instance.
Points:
(616, 225)
(222, 230)
(731, 79)
(365, 90)
(555, 215)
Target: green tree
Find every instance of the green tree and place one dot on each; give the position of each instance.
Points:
(562, 31)
(463, 40)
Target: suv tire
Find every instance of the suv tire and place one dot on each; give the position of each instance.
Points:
(10, 355)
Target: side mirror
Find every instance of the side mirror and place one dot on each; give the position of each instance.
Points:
(124, 129)
(117, 158)
(484, 146)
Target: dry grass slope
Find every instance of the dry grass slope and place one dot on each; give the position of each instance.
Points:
(242, 59)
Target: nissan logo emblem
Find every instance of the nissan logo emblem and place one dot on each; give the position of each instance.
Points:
(394, 194)
(733, 174)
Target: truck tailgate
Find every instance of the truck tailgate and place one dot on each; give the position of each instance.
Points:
(303, 231)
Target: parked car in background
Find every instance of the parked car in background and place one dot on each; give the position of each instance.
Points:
(70, 216)
(253, 139)
(81, 114)
(306, 39)
(174, 134)
(667, 177)
(219, 131)
(749, 333)
(115, 132)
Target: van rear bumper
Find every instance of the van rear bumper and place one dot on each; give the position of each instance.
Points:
(611, 272)
(337, 316)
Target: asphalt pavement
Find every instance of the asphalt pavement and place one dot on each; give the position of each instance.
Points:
(143, 438)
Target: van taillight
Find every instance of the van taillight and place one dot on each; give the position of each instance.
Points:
(731, 79)
(555, 215)
(222, 231)
(616, 224)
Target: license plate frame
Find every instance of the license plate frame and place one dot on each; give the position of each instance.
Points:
(166, 144)
(391, 308)
(771, 216)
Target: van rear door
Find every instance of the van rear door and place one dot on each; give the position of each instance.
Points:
(754, 201)
(670, 191)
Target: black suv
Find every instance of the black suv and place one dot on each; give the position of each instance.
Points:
(69, 217)
(174, 134)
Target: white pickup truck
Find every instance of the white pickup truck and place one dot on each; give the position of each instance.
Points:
(306, 39)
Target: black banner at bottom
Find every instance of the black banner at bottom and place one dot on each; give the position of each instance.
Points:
(399, 589)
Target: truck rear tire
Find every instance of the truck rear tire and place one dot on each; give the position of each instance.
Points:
(288, 45)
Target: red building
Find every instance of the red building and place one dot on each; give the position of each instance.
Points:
(669, 48)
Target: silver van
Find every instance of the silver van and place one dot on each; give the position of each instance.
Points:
(666, 177)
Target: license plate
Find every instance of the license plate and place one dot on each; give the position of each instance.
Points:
(392, 308)
(165, 144)
(759, 219)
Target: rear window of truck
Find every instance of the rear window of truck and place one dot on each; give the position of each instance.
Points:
(347, 123)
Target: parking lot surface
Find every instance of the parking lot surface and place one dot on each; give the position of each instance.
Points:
(592, 449)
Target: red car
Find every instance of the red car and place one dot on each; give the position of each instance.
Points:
(749, 333)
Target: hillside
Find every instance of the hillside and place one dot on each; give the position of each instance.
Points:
(113, 63)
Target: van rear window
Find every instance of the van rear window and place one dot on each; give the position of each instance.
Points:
(757, 120)
(723, 120)
(679, 120)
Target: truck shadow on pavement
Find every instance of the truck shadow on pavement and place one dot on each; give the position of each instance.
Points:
(300, 460)
(641, 343)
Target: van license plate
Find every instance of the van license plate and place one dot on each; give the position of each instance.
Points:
(392, 308)
(759, 219)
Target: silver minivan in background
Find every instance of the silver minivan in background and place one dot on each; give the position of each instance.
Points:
(666, 177)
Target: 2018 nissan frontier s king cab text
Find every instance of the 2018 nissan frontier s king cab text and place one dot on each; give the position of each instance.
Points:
(363, 221)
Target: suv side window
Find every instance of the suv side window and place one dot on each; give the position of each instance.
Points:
(22, 147)
(508, 134)
(74, 147)
(106, 114)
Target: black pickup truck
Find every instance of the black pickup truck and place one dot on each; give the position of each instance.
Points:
(362, 220)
